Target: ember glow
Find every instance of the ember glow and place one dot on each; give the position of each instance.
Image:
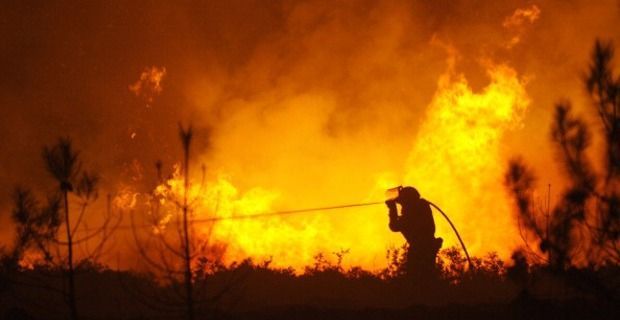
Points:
(149, 84)
(298, 105)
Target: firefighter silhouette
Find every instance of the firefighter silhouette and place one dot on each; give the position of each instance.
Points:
(416, 223)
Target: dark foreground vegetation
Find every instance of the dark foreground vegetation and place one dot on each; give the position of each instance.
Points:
(324, 291)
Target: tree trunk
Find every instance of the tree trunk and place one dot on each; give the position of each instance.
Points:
(188, 258)
(71, 273)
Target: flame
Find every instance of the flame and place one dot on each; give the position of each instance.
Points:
(517, 22)
(126, 198)
(522, 15)
(259, 239)
(149, 84)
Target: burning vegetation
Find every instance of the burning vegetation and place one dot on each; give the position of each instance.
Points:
(301, 115)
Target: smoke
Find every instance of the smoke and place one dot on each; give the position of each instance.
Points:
(316, 102)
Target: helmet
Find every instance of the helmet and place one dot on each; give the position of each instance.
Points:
(407, 195)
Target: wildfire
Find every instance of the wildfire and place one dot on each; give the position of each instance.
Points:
(297, 105)
(455, 161)
(291, 148)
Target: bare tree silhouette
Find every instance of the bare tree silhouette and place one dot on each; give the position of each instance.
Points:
(39, 227)
(61, 162)
(186, 138)
(170, 249)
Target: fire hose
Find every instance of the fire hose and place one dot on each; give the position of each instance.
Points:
(286, 212)
(455, 232)
(307, 210)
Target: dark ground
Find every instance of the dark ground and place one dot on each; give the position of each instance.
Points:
(247, 291)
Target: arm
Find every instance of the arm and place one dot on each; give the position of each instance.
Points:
(393, 214)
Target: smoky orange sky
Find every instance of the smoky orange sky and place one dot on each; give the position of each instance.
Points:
(300, 104)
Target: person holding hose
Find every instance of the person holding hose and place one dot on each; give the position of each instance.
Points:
(416, 223)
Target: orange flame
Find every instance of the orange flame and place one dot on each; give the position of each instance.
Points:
(517, 22)
(149, 84)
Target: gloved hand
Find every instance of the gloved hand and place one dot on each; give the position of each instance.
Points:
(391, 204)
